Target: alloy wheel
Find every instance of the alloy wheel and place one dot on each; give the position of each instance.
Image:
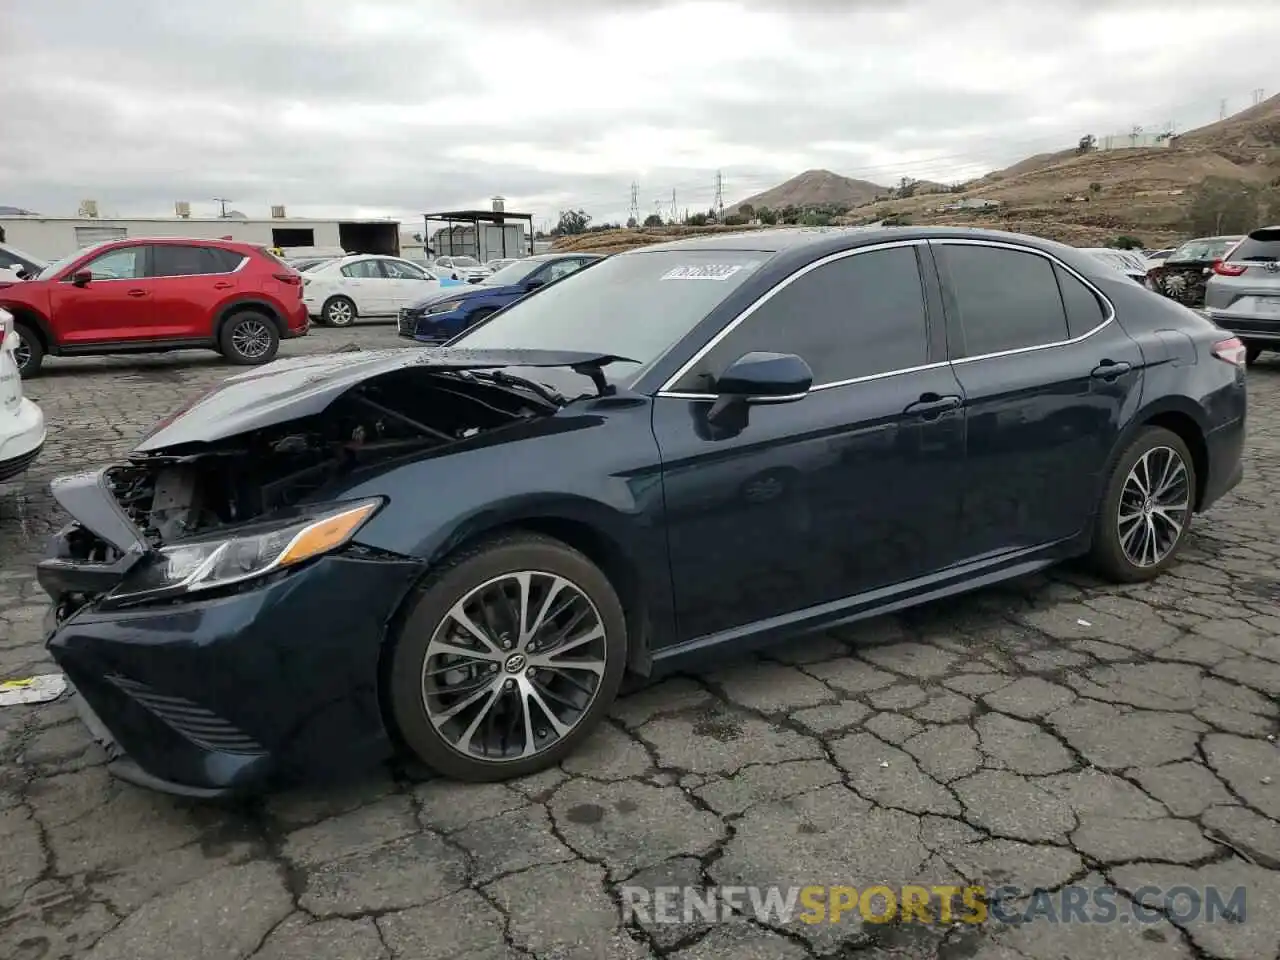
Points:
(1154, 505)
(514, 666)
(22, 355)
(339, 313)
(251, 339)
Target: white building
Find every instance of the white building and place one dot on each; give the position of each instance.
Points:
(55, 237)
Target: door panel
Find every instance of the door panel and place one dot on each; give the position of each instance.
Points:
(187, 283)
(811, 502)
(368, 288)
(1042, 421)
(116, 306)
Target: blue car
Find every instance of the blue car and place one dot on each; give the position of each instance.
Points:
(446, 313)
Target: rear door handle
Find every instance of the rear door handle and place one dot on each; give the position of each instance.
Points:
(223, 285)
(137, 293)
(1110, 369)
(931, 406)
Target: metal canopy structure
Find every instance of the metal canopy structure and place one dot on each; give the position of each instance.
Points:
(473, 219)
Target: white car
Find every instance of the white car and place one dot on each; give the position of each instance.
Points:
(468, 269)
(16, 265)
(363, 285)
(22, 429)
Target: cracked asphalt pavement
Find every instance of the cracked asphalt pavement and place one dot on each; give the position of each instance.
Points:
(1054, 730)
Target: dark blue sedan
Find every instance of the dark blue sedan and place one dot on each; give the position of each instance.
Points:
(680, 452)
(446, 313)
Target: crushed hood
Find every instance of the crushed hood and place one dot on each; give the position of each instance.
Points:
(304, 386)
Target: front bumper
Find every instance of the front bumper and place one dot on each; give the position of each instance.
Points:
(271, 686)
(432, 329)
(21, 439)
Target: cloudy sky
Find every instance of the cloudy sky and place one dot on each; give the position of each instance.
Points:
(393, 107)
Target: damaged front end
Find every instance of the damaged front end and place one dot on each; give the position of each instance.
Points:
(233, 488)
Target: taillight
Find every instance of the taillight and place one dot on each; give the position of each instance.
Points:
(1224, 269)
(6, 325)
(1232, 351)
(289, 278)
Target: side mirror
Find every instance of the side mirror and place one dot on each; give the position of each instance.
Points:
(757, 378)
(81, 278)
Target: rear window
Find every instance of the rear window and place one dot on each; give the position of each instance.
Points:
(1261, 246)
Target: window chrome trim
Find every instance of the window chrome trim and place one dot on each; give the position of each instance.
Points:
(1110, 311)
(666, 391)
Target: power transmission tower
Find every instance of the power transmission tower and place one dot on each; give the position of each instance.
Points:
(657, 208)
(224, 203)
(675, 213)
(635, 202)
(1257, 96)
(1134, 134)
(718, 203)
(1222, 109)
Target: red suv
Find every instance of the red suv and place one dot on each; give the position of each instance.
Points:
(143, 296)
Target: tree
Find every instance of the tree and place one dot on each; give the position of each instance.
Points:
(907, 187)
(747, 210)
(766, 216)
(572, 222)
(653, 220)
(1221, 205)
(696, 220)
(631, 223)
(734, 220)
(1126, 243)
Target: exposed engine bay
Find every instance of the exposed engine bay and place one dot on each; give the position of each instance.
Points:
(178, 493)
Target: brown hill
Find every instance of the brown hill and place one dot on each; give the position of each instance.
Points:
(817, 188)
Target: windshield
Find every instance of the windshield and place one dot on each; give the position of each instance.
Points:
(634, 305)
(55, 268)
(513, 272)
(1210, 249)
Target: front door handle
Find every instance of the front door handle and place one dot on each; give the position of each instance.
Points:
(1110, 369)
(137, 293)
(931, 406)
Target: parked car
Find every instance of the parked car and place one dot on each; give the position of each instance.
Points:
(467, 269)
(22, 430)
(1183, 274)
(16, 265)
(303, 264)
(1243, 292)
(146, 296)
(493, 266)
(443, 314)
(364, 285)
(1131, 263)
(562, 496)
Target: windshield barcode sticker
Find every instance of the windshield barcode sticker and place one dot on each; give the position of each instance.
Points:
(702, 271)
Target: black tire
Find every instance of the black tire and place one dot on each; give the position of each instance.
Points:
(1107, 555)
(249, 338)
(1252, 351)
(30, 354)
(466, 570)
(338, 312)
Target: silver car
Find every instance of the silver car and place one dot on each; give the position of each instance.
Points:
(1243, 292)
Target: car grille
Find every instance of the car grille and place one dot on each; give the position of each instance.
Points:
(201, 726)
(407, 321)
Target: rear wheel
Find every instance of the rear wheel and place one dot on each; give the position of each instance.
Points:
(1147, 509)
(249, 338)
(509, 657)
(1252, 350)
(30, 353)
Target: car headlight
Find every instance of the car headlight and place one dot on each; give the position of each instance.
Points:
(447, 307)
(251, 551)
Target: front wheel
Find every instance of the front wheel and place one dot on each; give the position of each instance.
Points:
(249, 339)
(1147, 509)
(509, 657)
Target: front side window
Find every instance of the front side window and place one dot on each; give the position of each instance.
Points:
(635, 305)
(1005, 299)
(124, 264)
(362, 270)
(855, 317)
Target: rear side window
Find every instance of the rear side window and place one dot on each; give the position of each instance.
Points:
(363, 270)
(180, 260)
(1261, 246)
(1084, 310)
(855, 317)
(1005, 299)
